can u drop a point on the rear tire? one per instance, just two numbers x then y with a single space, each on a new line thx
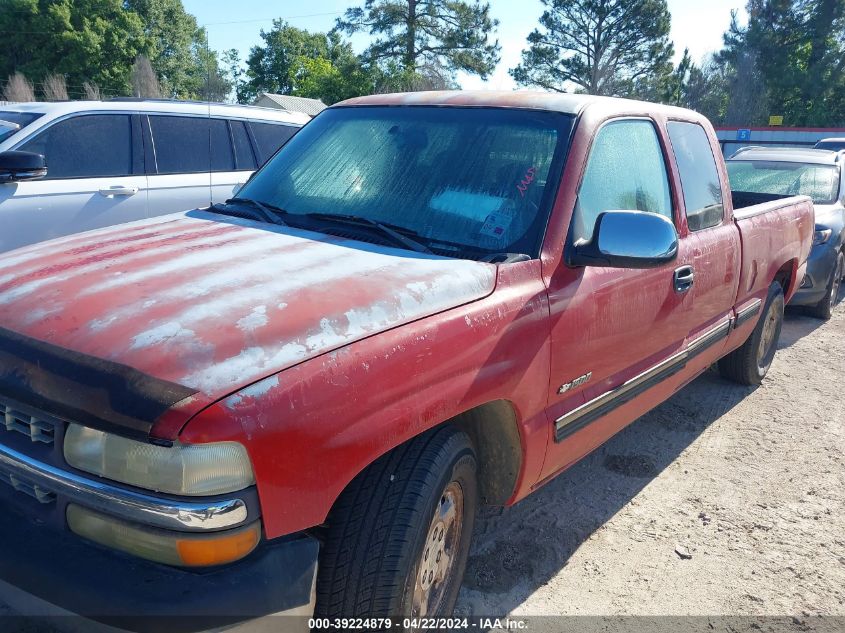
400 532
749 363
824 308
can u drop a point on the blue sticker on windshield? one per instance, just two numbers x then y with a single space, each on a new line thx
495 225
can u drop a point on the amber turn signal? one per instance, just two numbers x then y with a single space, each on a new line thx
179 549
220 549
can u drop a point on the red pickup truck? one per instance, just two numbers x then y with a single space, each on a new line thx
296 402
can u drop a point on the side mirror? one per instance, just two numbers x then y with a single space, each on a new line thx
18 166
627 239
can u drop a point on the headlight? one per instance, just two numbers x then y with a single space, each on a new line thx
181 469
821 236
169 548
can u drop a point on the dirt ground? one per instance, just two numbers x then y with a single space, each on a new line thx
725 500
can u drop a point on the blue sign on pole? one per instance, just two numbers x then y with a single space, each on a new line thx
743 135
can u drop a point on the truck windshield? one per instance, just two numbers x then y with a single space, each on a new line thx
11 122
820 182
465 182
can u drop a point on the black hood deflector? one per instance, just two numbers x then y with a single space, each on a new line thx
80 388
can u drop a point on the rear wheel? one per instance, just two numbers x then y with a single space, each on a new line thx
398 537
749 363
824 308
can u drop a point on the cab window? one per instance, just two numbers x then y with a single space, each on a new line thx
625 172
699 175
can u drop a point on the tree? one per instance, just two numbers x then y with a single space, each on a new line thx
799 48
178 51
83 40
144 81
231 60
448 34
601 46
298 62
18 89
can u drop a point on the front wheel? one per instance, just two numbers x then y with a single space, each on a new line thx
750 363
398 537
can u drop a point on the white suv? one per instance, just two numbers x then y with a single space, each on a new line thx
109 162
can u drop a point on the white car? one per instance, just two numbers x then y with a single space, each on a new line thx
109 162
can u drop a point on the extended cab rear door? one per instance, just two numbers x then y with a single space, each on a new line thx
710 233
611 326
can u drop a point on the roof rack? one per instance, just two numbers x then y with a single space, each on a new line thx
165 100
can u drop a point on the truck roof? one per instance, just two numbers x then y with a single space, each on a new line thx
533 99
789 155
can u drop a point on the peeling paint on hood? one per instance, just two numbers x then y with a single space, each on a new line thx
216 303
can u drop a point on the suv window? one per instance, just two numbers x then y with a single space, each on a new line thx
270 136
89 146
699 175
185 145
244 158
625 171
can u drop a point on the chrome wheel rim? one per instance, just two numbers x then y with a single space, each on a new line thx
767 338
440 551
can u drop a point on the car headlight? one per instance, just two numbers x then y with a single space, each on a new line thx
821 236
182 469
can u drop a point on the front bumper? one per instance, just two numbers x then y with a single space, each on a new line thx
45 572
820 266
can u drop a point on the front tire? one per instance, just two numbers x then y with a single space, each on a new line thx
824 308
398 537
750 363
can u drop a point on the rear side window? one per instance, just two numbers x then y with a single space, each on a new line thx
625 171
243 150
91 146
270 136
699 175
185 145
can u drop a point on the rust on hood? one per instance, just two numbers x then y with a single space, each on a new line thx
215 303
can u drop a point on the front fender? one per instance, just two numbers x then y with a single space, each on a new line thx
311 429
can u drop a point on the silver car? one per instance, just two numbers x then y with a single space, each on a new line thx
79 165
817 173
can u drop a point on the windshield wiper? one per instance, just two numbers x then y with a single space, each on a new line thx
384 229
262 210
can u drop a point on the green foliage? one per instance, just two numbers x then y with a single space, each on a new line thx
800 53
449 34
178 50
604 47
298 62
92 41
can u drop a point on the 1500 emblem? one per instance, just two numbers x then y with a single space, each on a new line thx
574 383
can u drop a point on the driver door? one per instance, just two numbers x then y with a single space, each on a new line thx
611 325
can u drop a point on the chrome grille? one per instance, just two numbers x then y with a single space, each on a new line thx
36 429
33 490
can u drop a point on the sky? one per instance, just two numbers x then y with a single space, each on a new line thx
696 24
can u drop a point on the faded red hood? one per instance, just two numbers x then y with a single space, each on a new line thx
215 303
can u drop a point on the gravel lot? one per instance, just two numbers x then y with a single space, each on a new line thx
725 500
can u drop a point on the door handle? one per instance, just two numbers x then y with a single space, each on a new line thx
118 191
683 278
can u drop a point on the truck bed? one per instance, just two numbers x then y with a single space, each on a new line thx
772 229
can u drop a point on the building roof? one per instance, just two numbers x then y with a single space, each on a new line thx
311 107
789 155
